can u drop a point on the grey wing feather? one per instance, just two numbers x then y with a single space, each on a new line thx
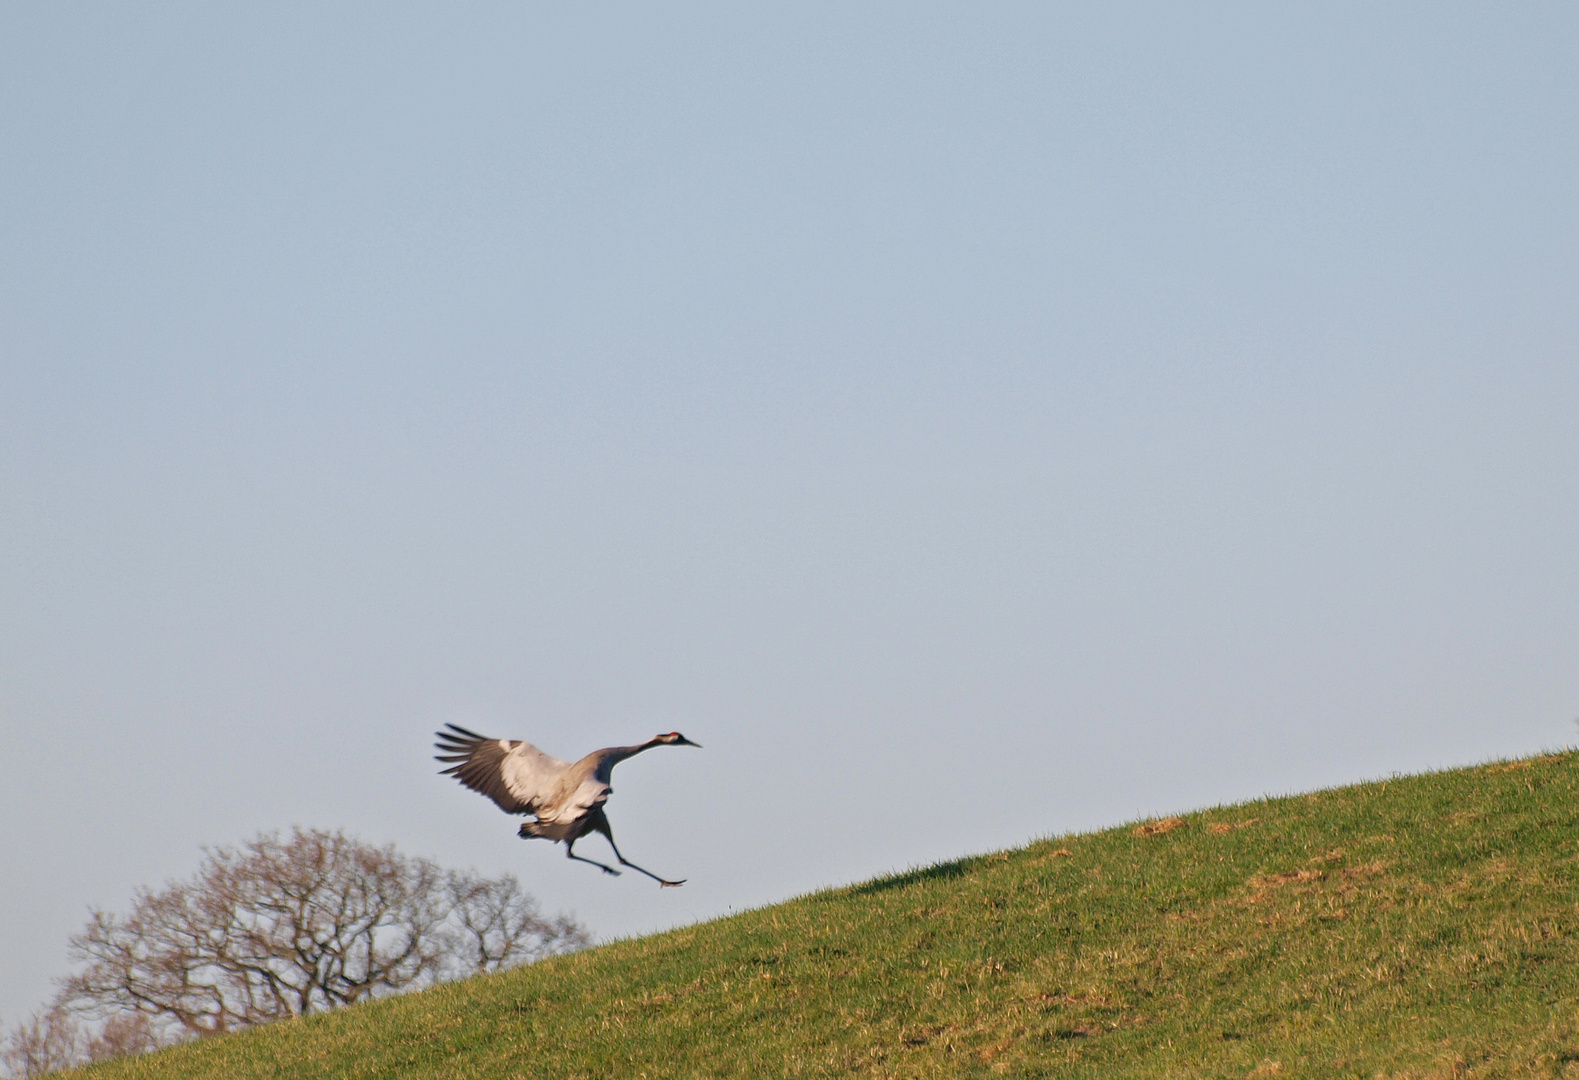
515 775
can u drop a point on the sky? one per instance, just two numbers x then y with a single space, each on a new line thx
971 424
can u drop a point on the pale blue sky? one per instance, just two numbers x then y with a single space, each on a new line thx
969 423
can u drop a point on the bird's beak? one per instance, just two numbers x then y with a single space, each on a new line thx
687 742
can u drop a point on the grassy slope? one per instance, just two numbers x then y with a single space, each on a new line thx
1427 926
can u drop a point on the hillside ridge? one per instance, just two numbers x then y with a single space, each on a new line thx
1414 926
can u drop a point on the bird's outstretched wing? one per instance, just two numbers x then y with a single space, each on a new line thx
516 775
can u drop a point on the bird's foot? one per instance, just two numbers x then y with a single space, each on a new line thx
671 884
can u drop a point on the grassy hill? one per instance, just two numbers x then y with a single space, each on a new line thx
1425 926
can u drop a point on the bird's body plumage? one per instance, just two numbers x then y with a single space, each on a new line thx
565 799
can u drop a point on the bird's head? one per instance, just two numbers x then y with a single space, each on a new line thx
674 738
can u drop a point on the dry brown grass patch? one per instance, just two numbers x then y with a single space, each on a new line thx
1515 766
1365 870
1091 1000
1264 885
1221 827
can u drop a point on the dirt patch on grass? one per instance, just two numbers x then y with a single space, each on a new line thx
1222 827
1158 828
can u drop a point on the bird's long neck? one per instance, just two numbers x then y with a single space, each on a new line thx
602 762
620 753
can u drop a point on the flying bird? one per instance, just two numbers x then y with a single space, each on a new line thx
565 800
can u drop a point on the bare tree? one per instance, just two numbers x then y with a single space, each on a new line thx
46 1042
56 1039
494 925
293 926
122 1036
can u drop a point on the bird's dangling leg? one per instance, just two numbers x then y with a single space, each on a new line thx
570 853
601 824
661 881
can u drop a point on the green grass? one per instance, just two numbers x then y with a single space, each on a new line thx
1427 926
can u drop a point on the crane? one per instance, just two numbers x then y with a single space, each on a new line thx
565 800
